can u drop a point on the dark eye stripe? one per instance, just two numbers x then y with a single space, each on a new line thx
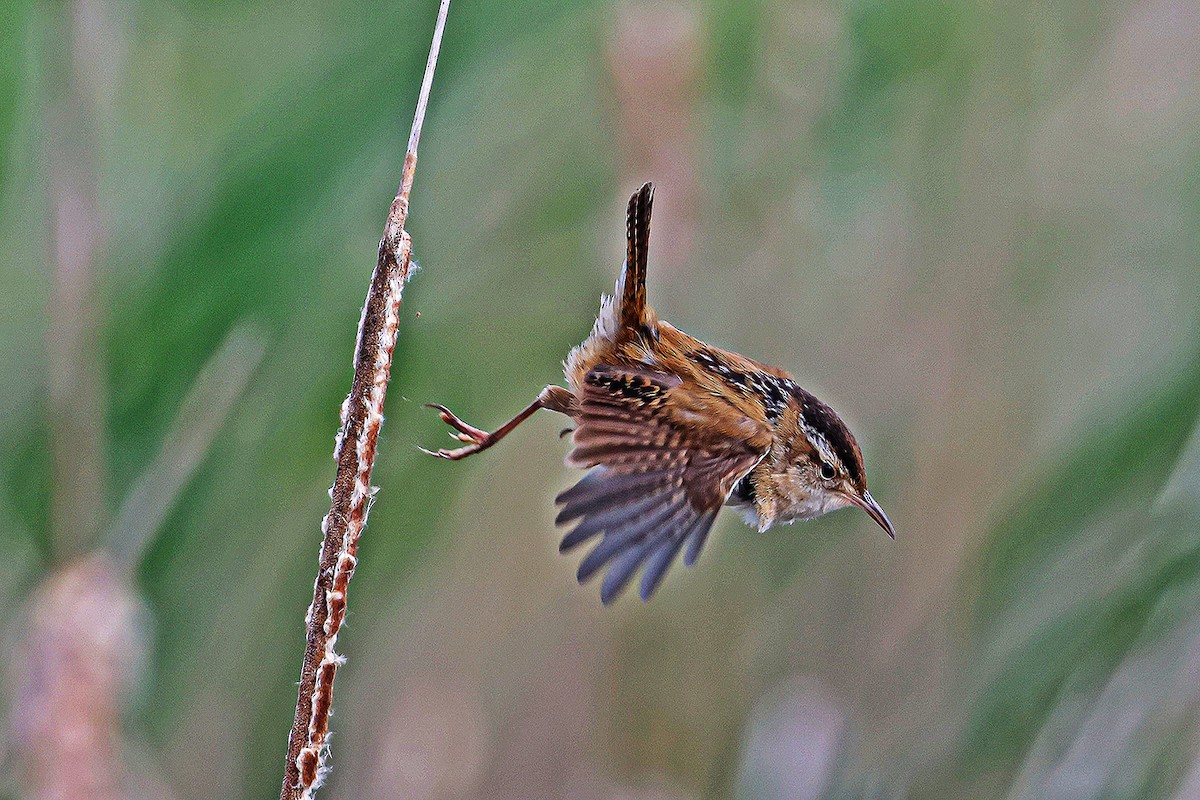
822 419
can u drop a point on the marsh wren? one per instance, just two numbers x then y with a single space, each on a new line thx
672 429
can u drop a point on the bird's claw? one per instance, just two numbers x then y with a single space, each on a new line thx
474 438
469 432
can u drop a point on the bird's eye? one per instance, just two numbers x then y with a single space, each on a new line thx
827 471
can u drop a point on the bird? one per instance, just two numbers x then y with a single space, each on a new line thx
671 430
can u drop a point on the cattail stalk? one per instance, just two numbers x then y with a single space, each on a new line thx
361 418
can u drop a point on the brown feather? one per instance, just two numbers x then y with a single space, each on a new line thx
632 312
657 479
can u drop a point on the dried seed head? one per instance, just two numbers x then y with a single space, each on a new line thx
81 651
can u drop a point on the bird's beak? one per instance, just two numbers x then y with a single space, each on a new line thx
868 504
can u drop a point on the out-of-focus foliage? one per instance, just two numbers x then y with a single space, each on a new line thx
973 228
1077 569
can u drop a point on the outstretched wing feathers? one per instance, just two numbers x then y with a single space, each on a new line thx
657 481
620 510
600 489
661 559
696 543
623 537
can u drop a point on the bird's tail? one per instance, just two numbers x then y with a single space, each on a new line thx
632 317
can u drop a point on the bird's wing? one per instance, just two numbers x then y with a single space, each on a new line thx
659 473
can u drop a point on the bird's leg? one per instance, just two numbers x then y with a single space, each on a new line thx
554 398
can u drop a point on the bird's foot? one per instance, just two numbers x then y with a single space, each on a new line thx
474 438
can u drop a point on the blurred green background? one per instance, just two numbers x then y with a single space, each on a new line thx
974 229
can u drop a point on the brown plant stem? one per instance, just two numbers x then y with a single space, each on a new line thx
361 418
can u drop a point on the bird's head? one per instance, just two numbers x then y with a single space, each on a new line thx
816 465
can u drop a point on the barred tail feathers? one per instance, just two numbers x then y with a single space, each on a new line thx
632 310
